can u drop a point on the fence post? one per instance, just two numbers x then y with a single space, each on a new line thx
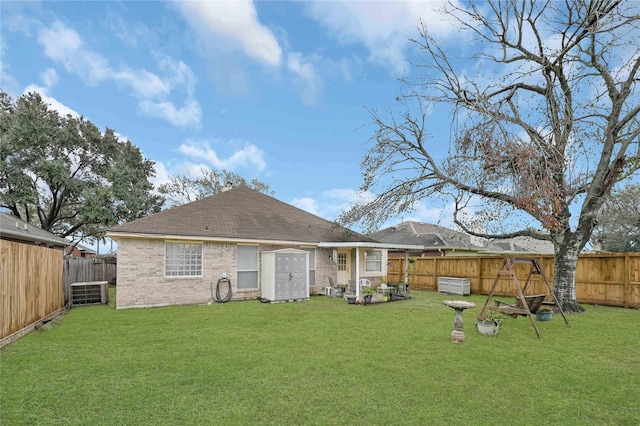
626 292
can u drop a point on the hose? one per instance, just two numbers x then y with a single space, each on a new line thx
217 296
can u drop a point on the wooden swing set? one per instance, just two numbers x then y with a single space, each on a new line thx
525 305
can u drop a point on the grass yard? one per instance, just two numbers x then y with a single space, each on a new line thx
321 362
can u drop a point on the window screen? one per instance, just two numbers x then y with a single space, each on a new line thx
247 267
373 261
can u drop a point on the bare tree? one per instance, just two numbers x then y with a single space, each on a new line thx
182 189
541 131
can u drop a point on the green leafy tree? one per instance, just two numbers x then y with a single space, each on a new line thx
544 112
182 189
618 226
66 176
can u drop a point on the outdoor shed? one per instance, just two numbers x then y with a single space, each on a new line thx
285 275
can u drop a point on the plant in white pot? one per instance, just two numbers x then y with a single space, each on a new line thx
487 324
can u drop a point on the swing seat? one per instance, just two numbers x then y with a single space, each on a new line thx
533 303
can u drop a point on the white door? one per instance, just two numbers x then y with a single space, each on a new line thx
344 266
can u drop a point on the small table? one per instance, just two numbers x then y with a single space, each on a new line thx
457 335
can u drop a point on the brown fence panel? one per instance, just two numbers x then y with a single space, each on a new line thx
31 286
82 269
607 279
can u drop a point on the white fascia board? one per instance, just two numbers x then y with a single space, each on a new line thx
117 235
372 245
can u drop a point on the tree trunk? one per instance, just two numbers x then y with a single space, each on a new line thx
564 279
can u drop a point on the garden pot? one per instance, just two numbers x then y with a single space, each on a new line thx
339 292
488 327
351 300
544 315
366 299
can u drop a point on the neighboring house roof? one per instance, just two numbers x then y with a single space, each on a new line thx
524 245
239 214
431 237
82 249
14 228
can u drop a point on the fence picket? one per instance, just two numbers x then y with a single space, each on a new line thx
603 278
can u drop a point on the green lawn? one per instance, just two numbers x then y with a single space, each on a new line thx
321 362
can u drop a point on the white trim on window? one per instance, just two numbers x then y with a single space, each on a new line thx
248 267
373 261
312 265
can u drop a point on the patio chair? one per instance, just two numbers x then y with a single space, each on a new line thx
331 290
365 282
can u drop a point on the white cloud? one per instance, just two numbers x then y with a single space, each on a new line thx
306 77
382 27
248 156
9 83
162 175
53 103
235 25
189 115
144 83
131 33
64 46
307 204
49 77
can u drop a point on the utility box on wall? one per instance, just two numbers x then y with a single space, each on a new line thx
285 275
450 285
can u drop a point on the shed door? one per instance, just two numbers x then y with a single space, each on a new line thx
291 276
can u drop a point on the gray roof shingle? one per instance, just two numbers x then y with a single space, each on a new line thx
27 232
244 214
426 234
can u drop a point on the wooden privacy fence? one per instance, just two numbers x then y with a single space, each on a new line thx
606 279
82 269
31 287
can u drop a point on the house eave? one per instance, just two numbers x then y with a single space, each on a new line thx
34 239
366 244
133 235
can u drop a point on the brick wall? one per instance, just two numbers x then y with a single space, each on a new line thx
141 280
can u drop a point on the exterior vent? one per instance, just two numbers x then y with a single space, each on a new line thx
450 285
90 293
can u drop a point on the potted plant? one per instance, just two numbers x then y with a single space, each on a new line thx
544 314
352 299
487 324
367 294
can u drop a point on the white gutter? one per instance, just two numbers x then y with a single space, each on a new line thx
367 244
117 235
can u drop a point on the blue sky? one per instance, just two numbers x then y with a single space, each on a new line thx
271 90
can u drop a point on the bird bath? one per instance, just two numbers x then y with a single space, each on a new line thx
457 335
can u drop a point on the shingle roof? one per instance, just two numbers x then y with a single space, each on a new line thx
426 234
27 232
240 213
525 245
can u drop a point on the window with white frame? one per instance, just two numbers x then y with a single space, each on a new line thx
182 259
312 266
247 267
342 261
373 261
